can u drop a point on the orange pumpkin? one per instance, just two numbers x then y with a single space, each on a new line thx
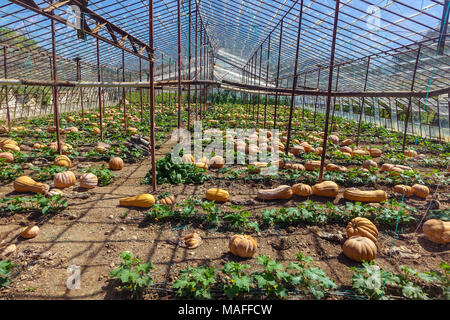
64 179
359 249
115 163
243 246
362 227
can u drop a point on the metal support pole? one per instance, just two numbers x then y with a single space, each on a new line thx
196 77
267 80
5 66
294 80
189 68
408 111
54 87
330 84
315 103
125 120
278 75
99 78
259 83
334 99
179 67
363 100
152 95
140 90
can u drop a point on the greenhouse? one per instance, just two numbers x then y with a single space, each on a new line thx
206 149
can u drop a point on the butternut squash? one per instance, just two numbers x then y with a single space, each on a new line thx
354 194
282 192
326 189
437 230
302 190
27 184
144 200
217 194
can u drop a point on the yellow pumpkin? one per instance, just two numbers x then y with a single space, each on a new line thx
167 200
410 153
216 162
243 246
202 165
95 131
362 227
360 249
217 194
144 200
326 189
420 191
27 184
437 230
10 147
63 161
282 192
354 194
302 190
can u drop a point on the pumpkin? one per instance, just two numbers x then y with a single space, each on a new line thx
167 200
402 189
332 167
374 152
70 119
64 179
362 227
192 240
144 200
217 194
258 166
88 180
10 147
301 189
312 165
8 156
38 146
27 184
294 166
387 167
63 161
367 164
346 142
420 191
437 230
410 153
216 162
396 171
297 150
115 163
29 232
95 131
242 245
202 165
360 152
100 149
282 192
333 138
132 130
346 149
359 249
187 158
354 194
326 189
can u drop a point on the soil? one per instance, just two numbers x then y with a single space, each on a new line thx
93 231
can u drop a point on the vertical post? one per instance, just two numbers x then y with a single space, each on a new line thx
170 99
408 111
267 80
5 66
304 87
152 93
294 80
54 87
179 67
363 100
196 76
200 72
125 120
99 91
189 68
334 99
330 83
259 83
317 97
140 90
438 118
278 75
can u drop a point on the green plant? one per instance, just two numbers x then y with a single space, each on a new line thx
46 173
195 282
212 212
5 270
236 281
174 173
159 212
104 175
38 202
440 278
240 219
133 275
9 172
